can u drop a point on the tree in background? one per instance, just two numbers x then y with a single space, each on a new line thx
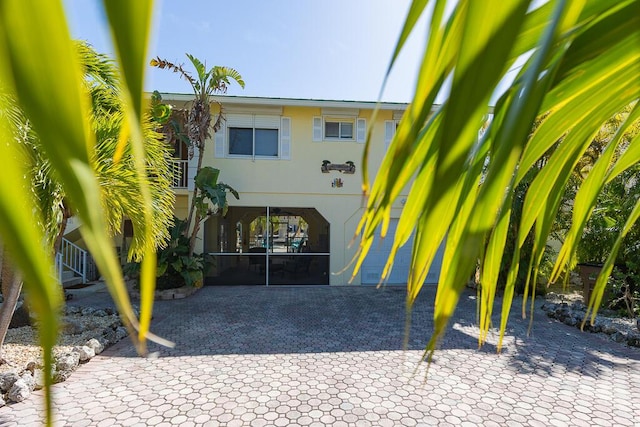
197 122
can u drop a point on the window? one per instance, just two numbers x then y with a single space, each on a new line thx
253 142
254 136
338 129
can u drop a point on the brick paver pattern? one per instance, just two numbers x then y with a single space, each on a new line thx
315 356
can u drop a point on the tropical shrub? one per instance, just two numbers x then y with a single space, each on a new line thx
175 267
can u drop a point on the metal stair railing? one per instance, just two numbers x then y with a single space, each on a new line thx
180 173
76 259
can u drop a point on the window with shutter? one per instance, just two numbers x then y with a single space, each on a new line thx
253 136
339 128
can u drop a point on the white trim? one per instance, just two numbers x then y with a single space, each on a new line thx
229 101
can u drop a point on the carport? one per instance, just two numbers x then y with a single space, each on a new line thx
267 245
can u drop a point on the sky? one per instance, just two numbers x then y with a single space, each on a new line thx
320 49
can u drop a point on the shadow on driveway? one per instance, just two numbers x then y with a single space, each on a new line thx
283 320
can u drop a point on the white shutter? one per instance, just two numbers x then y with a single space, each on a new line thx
361 130
240 120
266 122
285 138
219 138
317 129
389 131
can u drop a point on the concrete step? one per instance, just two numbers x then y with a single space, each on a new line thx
71 281
68 274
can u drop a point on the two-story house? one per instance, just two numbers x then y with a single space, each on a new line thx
297 166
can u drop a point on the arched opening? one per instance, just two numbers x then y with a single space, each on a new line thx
267 246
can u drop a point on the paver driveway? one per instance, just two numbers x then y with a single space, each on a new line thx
281 356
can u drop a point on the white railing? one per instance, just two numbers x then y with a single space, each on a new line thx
180 175
72 257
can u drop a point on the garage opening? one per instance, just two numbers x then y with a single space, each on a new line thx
267 246
374 263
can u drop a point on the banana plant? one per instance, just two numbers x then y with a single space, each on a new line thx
212 191
205 83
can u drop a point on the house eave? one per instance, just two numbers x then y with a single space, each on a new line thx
289 102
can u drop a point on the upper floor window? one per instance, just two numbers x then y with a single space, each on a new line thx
340 128
254 136
253 142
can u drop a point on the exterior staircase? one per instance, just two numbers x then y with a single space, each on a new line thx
74 265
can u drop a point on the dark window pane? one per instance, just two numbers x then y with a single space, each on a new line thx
267 142
346 130
241 141
331 129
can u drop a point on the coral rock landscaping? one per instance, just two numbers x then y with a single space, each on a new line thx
84 332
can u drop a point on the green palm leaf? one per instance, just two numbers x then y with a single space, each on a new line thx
42 69
579 67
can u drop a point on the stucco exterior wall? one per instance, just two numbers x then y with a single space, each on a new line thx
299 181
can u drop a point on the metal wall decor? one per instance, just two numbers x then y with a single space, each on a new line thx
348 167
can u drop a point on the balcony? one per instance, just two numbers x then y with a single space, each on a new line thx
180 173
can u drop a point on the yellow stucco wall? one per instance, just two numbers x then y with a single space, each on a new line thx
181 207
299 182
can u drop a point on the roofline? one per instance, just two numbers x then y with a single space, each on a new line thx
290 102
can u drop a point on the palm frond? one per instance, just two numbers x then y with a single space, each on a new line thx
580 62
164 64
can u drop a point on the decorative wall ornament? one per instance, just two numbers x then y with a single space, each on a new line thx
348 167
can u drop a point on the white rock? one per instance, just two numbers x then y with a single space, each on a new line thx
7 380
28 379
96 345
38 379
84 353
67 362
19 391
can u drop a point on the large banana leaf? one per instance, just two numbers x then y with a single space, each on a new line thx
581 61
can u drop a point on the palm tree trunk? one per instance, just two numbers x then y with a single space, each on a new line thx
192 210
11 287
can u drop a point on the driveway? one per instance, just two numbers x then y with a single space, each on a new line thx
257 356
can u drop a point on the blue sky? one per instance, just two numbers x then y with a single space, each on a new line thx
328 49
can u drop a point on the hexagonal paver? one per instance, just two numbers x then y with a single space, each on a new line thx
256 356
